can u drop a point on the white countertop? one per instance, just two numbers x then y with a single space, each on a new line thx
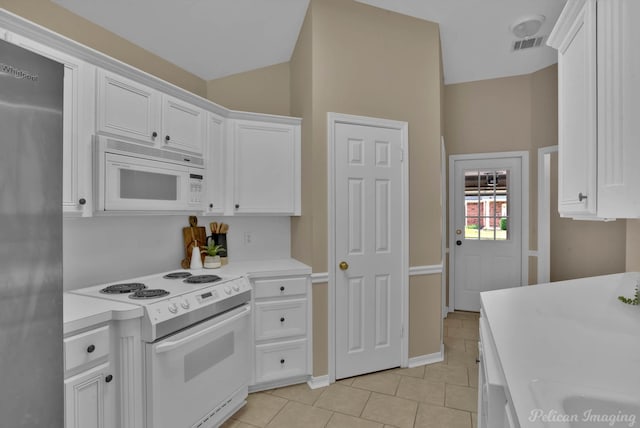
81 312
264 268
570 335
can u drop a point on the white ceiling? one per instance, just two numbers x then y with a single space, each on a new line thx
217 38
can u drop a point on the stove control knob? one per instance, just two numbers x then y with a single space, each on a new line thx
173 308
227 289
236 287
185 304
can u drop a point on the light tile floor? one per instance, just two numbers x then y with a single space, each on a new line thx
441 395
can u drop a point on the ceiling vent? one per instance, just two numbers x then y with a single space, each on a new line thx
533 42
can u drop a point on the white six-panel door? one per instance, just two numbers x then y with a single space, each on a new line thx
369 240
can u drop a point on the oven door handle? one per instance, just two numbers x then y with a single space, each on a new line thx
168 346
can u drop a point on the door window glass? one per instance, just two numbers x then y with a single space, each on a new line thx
486 213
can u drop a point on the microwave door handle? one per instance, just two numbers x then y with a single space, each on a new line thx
168 346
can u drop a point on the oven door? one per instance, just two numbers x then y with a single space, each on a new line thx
199 377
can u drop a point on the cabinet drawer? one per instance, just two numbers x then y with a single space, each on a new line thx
280 287
281 319
86 347
281 360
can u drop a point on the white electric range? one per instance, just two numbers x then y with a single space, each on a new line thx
196 334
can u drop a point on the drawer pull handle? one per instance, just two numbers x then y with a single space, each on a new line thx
282 319
282 288
108 378
91 348
282 361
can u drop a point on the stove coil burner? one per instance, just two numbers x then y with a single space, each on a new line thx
123 288
202 279
148 294
177 275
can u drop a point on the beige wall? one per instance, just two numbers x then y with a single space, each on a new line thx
583 248
301 74
632 263
370 62
520 113
265 90
60 20
344 60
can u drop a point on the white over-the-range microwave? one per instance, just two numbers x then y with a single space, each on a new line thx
132 177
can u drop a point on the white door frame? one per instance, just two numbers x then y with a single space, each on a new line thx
403 127
524 165
443 244
544 213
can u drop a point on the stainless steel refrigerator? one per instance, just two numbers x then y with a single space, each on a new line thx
31 372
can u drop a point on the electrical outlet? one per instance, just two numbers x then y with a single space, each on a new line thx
248 238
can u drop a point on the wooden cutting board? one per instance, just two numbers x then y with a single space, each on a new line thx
189 236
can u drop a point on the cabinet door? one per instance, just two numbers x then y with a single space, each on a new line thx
266 161
89 399
618 109
578 117
77 127
183 125
281 360
127 108
216 171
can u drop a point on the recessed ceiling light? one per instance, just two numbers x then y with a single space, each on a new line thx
528 26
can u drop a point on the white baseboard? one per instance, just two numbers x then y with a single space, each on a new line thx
318 382
422 360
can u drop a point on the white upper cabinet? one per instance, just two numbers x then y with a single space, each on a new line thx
183 125
135 111
127 108
618 109
216 168
78 114
577 116
252 161
266 160
599 103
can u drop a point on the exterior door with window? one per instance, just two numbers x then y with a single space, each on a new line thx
486 238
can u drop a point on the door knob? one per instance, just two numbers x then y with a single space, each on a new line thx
344 265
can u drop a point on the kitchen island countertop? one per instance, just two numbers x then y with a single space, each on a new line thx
565 337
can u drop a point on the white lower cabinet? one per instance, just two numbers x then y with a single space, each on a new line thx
494 408
89 398
89 385
282 333
282 360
